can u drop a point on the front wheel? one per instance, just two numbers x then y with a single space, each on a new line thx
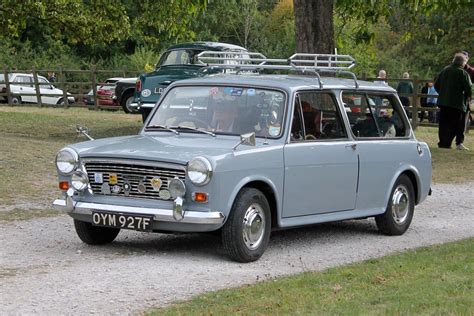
95 235
399 212
16 99
246 233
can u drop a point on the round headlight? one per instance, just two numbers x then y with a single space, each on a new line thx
66 161
199 171
176 188
79 180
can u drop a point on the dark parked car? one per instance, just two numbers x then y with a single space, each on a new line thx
124 94
178 62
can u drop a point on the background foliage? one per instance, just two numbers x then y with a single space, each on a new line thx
397 35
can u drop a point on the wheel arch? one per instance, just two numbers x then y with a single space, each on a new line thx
414 177
269 190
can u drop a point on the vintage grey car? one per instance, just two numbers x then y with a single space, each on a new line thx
245 154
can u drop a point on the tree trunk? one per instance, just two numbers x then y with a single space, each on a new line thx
314 26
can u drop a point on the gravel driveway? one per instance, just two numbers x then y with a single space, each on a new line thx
45 269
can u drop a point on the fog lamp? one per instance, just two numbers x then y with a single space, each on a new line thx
79 180
176 188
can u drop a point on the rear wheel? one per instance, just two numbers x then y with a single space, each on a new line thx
95 235
399 212
127 99
246 233
16 99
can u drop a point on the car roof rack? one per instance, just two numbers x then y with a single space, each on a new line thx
301 62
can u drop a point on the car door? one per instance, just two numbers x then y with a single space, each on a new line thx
49 94
381 130
24 88
321 162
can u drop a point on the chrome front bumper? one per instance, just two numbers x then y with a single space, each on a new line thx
163 215
141 105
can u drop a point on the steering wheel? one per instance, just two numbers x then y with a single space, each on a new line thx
198 123
310 137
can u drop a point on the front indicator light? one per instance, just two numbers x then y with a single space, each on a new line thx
200 197
64 185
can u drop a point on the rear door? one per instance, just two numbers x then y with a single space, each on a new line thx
321 162
24 88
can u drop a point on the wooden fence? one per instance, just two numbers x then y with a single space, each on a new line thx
79 82
75 83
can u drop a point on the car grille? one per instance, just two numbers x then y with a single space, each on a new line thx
132 180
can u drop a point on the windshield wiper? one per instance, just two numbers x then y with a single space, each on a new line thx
194 129
162 127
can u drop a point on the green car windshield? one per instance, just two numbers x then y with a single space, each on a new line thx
221 110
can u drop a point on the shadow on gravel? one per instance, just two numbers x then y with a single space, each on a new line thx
207 245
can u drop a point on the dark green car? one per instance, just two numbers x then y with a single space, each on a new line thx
178 62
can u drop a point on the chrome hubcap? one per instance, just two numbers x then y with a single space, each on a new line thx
253 226
400 204
128 102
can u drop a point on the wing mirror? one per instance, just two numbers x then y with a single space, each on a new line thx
246 139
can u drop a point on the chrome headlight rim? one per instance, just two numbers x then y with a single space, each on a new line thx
75 161
79 180
206 170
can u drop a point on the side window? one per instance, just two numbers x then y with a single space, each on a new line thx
374 115
43 83
320 117
25 80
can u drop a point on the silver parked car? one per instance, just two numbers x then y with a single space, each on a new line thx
248 153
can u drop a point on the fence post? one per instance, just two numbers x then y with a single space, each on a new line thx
37 87
415 102
63 86
94 86
7 84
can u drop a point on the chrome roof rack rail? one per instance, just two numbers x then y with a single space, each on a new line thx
256 62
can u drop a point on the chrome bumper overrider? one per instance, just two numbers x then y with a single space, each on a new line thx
164 215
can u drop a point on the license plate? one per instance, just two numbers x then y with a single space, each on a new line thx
124 221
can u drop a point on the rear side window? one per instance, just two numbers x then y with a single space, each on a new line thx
374 115
25 80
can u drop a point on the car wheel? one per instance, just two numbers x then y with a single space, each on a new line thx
60 102
95 235
401 205
127 99
246 233
16 99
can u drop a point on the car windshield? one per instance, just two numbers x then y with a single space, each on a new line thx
221 110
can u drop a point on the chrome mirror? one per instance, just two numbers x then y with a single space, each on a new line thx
246 139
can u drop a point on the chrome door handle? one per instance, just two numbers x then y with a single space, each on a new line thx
352 146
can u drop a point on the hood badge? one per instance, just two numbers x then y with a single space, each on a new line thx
105 188
156 183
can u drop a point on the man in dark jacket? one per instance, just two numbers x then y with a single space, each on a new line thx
454 87
460 134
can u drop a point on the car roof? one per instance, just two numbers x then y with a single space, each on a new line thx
207 46
287 82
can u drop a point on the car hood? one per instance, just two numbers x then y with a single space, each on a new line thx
169 148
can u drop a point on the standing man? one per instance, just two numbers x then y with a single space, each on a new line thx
460 134
454 87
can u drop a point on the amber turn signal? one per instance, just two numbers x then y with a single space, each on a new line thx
64 185
200 197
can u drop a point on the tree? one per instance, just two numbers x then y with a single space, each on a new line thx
314 26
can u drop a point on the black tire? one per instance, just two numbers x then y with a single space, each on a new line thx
127 98
16 99
95 235
250 205
400 207
145 112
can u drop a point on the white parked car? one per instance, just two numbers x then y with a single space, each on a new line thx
23 90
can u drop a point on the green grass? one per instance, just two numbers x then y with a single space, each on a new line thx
449 165
29 140
437 280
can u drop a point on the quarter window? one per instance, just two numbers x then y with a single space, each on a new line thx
374 115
